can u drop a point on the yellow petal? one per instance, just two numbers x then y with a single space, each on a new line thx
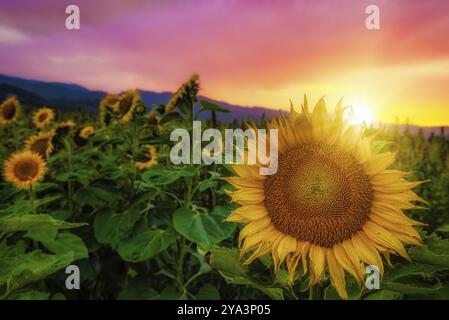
380 235
285 246
245 182
379 162
336 274
247 196
367 252
249 213
344 261
317 263
255 226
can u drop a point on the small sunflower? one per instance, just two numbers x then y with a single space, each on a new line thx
41 144
63 128
126 106
43 117
24 169
332 206
87 132
188 89
154 118
9 110
151 158
106 107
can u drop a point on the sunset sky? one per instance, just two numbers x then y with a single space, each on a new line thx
246 52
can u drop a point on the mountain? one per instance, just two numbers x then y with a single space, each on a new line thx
72 96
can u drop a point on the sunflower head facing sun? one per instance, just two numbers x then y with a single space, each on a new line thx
9 110
43 117
332 207
41 144
150 158
24 169
126 105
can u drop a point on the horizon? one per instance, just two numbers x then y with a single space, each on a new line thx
378 123
246 54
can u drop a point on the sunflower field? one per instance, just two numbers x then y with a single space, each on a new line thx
98 191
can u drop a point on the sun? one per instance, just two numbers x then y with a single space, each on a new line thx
361 113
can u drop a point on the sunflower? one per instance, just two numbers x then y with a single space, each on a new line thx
151 160
333 206
187 90
106 107
63 128
9 110
125 107
24 169
87 132
41 144
43 117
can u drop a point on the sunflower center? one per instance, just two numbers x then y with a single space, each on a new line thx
319 194
42 117
125 105
9 111
40 146
26 170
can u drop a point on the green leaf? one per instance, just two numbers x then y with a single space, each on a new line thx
21 207
384 295
34 221
434 251
378 146
227 262
205 229
94 196
29 295
413 269
207 184
159 176
75 174
22 269
111 227
138 289
208 292
147 244
412 287
206 105
44 234
443 228
66 242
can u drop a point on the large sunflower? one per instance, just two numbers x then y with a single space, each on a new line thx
151 158
333 204
43 117
41 144
125 107
9 110
24 169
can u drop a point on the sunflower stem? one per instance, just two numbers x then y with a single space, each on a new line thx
32 192
315 293
68 147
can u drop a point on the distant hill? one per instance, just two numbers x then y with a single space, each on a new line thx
73 96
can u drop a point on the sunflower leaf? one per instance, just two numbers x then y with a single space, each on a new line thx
206 229
29 222
146 244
